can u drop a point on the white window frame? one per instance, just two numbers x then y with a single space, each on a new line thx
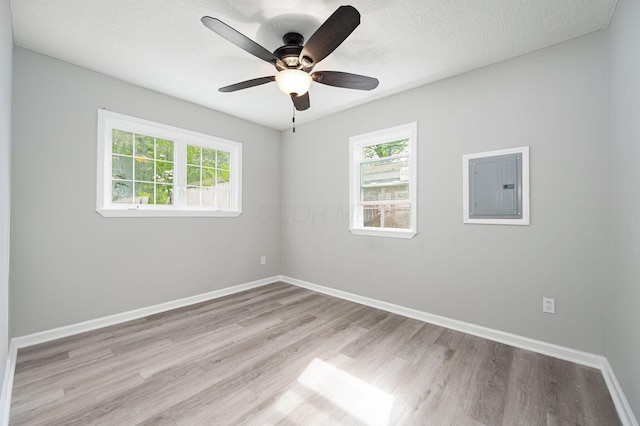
356 143
108 120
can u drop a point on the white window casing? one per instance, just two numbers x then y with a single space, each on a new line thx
383 187
218 198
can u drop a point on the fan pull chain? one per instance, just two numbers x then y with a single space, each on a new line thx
293 119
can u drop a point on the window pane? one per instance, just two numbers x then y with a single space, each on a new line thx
121 192
387 216
144 170
164 172
164 194
397 216
386 149
371 216
164 149
193 155
223 160
208 177
223 176
121 167
384 171
193 175
144 146
208 157
209 196
193 196
121 142
223 198
144 193
388 193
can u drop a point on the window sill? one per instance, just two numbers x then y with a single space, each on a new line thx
166 213
388 232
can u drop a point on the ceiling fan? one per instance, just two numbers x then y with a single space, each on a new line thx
295 61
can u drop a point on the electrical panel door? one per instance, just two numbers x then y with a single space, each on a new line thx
495 187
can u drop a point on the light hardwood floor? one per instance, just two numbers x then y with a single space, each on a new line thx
284 355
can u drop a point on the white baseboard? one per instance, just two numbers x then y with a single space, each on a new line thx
69 330
622 404
7 384
583 358
81 327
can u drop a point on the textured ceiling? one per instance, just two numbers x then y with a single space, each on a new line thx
161 44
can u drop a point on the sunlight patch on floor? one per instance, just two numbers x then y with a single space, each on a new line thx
356 397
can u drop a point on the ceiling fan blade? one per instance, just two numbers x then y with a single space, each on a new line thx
246 84
239 39
301 102
345 79
330 35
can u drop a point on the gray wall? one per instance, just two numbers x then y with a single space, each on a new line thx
6 49
553 100
623 295
68 263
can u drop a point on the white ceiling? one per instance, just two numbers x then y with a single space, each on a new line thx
161 44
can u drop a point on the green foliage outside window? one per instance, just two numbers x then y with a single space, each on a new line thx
142 169
386 149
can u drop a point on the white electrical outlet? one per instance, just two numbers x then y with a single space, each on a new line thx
548 305
263 260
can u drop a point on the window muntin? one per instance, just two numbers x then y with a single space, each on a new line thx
383 183
207 177
150 169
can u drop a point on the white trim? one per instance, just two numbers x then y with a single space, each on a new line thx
384 232
409 131
68 330
109 120
7 384
525 220
166 213
583 358
622 404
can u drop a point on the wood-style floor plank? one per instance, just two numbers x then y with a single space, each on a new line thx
284 355
525 390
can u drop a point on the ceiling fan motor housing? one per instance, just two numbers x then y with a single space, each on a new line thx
289 53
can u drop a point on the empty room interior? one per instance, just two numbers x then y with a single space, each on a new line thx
416 212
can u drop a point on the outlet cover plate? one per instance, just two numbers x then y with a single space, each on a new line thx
548 305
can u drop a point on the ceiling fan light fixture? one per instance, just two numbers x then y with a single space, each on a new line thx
293 81
294 61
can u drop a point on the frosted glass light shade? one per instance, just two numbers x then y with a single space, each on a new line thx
293 81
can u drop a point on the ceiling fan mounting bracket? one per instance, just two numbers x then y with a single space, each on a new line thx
295 39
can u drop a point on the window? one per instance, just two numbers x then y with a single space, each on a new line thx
383 182
151 169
